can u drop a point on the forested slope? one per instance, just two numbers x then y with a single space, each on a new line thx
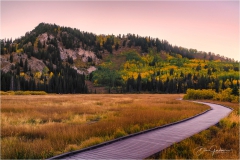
60 59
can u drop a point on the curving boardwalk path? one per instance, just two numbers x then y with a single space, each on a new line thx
146 144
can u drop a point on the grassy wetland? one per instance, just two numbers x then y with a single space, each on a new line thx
34 126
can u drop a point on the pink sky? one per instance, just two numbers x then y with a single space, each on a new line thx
202 25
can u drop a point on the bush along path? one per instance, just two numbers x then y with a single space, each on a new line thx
147 143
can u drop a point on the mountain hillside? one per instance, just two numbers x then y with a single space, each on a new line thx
66 60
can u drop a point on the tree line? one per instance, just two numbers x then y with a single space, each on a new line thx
66 81
180 84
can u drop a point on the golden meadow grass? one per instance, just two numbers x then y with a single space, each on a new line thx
34 126
223 136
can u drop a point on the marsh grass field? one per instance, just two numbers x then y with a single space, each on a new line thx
41 126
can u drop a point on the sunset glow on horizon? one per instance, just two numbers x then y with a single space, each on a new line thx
202 25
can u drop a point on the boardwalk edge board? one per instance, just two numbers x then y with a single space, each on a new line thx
128 136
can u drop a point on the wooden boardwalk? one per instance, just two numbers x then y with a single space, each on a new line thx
146 144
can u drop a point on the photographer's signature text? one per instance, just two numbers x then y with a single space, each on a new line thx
213 149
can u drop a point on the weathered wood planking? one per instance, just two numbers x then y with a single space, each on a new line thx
146 144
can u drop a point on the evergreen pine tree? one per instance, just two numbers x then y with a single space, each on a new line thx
11 58
18 70
21 62
12 84
235 90
116 46
3 84
26 66
139 84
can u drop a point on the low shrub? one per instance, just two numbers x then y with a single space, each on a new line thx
200 94
3 93
225 95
